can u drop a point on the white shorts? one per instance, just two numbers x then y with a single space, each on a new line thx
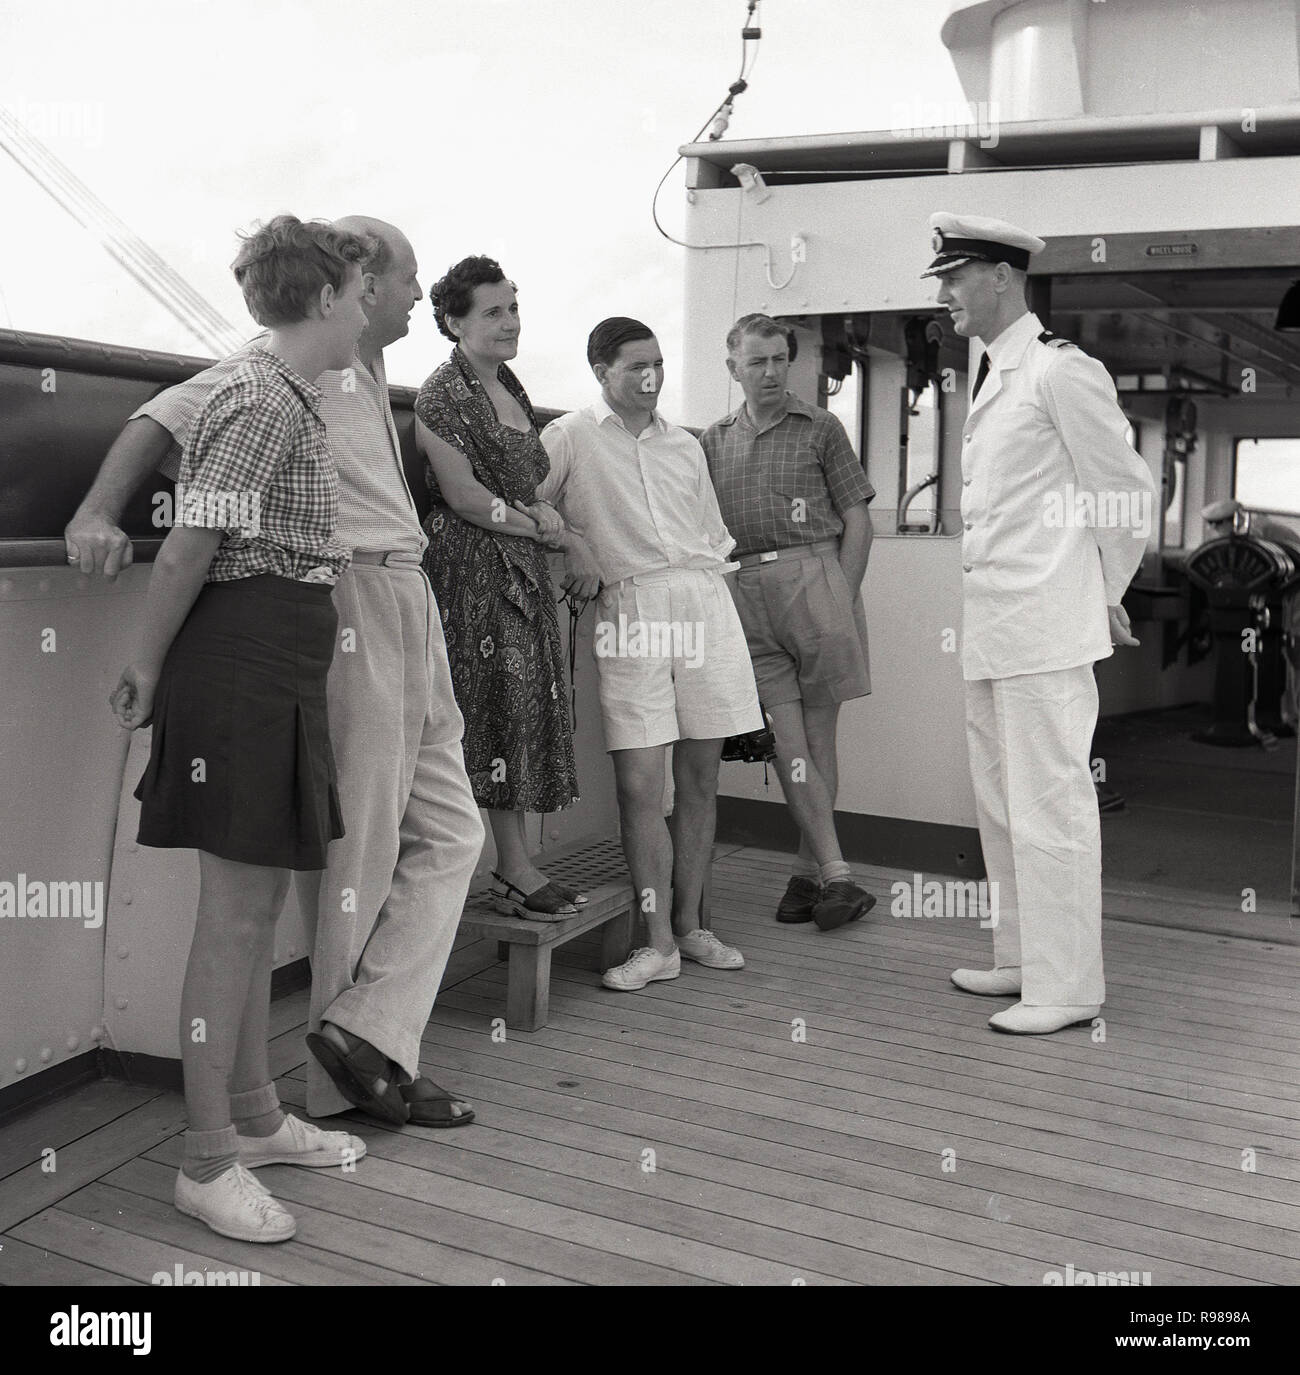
672 660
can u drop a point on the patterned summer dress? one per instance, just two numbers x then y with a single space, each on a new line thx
498 604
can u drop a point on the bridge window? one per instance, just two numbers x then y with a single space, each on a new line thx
1267 475
921 442
843 398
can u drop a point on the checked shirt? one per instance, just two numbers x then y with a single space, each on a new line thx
259 444
786 484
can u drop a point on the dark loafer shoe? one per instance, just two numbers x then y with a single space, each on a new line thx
801 896
430 1106
842 902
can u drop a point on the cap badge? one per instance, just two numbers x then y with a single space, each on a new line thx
936 241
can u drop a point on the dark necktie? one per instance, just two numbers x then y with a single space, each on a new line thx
981 375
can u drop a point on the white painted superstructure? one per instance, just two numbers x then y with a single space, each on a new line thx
1156 147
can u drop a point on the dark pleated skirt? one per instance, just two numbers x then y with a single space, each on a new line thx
241 764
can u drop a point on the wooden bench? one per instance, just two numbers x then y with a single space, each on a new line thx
598 869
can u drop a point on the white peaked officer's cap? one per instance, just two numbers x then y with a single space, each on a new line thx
960 239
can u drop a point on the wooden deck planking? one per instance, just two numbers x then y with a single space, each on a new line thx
621 1206
933 1204
867 973
66 1120
475 1246
473 1038
677 1061
985 1055
406 1175
774 1159
1238 1004
330 1225
860 1139
772 870
24 1264
289 1012
1179 953
29 1190
730 1036
615 1071
922 1237
120 1248
528 1256
142 1192
959 1037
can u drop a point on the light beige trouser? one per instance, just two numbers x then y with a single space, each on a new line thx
1029 740
388 903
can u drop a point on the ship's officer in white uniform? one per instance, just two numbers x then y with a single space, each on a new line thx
1055 508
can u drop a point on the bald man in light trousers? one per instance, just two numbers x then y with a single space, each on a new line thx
382 917
1041 603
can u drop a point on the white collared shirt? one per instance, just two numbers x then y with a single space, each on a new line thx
641 502
1056 505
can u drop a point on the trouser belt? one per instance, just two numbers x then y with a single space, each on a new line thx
387 558
795 551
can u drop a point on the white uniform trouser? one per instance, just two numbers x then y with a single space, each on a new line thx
1030 738
387 905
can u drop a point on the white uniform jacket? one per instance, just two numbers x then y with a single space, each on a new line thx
1056 506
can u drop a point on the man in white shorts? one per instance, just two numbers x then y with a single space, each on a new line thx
645 532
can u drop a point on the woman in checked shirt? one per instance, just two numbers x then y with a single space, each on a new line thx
237 638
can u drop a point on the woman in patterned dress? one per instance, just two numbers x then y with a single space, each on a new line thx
487 563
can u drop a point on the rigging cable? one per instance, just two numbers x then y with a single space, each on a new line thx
716 124
125 246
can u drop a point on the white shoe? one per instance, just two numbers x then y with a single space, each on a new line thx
296 1142
642 967
1022 1020
989 983
235 1205
705 948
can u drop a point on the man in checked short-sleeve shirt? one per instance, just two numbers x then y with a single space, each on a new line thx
794 495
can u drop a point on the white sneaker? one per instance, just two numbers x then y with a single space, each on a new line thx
642 967
296 1142
705 948
235 1205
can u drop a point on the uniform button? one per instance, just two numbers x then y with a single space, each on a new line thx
965 482
966 567
965 439
969 525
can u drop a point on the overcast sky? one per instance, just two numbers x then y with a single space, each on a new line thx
531 130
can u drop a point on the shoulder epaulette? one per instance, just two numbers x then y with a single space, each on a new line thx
1054 341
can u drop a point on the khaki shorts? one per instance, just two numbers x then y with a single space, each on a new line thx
672 661
806 632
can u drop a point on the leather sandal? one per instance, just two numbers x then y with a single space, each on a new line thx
570 894
366 1077
430 1106
546 904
